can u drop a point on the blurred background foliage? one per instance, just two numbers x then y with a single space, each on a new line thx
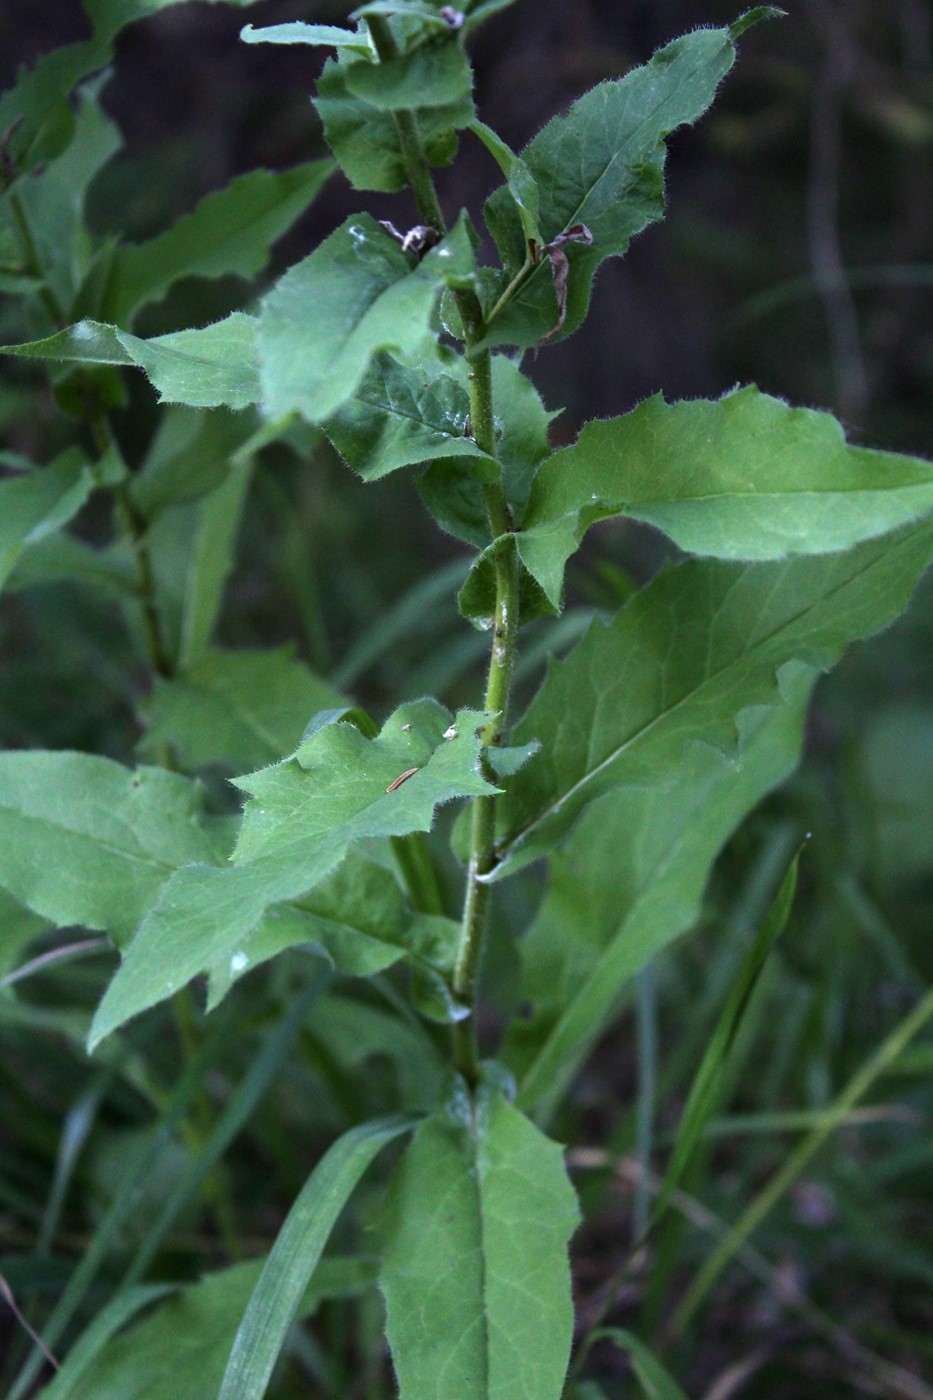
796 254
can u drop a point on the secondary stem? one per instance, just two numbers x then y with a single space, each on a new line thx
506 617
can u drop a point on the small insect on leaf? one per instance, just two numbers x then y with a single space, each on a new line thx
402 778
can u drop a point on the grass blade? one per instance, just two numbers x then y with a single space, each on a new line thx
886 1054
296 1253
706 1088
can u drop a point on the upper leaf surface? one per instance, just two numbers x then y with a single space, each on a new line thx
243 708
679 663
204 367
329 36
744 477
230 231
601 165
358 293
476 1276
614 900
84 840
304 815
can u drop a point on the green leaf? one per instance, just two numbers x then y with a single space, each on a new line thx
433 76
84 840
706 1089
357 918
36 111
358 293
242 708
180 1351
744 477
402 415
476 1276
189 456
680 662
305 814
229 232
210 561
53 199
329 36
365 139
205 367
520 181
615 901
602 166
37 504
291 1265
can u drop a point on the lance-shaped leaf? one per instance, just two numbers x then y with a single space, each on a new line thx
358 293
243 708
53 199
364 138
630 879
358 918
600 166
229 232
476 1276
521 183
304 815
189 457
204 367
744 477
84 840
38 503
680 662
328 36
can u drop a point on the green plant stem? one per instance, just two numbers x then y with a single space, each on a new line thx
887 1052
506 617
135 527
406 124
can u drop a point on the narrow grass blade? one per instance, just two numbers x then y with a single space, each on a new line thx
295 1255
138 1167
706 1088
886 1054
656 1383
237 1113
92 1341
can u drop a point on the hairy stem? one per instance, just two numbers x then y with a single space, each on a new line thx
506 619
